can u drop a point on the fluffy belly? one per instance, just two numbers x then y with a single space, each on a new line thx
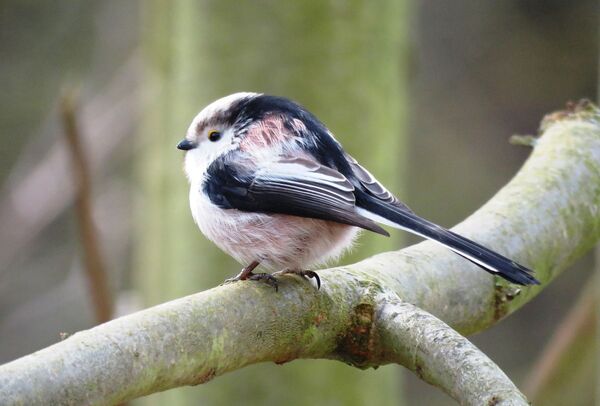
277 241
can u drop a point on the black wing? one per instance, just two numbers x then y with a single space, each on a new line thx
296 186
372 185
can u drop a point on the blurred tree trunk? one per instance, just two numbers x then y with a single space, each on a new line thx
596 339
345 61
596 377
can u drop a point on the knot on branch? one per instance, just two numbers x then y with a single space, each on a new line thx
358 344
503 295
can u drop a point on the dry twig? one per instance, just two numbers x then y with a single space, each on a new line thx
580 320
94 264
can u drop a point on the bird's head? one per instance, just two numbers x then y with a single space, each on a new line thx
214 132
263 126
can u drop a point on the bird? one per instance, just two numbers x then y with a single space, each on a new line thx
270 185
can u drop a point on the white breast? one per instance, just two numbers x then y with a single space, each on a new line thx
277 241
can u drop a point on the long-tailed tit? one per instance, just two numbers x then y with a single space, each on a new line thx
270 185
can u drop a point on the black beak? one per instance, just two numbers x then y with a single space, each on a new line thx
186 145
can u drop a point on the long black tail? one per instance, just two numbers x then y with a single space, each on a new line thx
485 258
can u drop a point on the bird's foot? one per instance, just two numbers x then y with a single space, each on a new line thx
268 278
246 274
302 273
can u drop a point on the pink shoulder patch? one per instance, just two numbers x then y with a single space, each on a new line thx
267 132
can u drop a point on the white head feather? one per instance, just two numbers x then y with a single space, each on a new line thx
198 159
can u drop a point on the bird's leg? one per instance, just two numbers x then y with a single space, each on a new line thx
246 274
302 273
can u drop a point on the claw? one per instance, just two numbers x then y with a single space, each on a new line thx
304 274
313 274
246 274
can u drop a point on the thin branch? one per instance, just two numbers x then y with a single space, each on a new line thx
523 140
581 319
546 217
94 263
439 355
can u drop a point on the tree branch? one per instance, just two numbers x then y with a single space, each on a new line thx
546 217
440 356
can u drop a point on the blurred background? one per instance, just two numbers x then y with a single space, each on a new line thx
424 93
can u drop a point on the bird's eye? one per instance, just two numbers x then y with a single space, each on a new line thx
214 135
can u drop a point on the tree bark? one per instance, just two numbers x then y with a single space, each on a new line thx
546 217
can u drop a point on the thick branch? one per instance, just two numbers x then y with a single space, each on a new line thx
546 217
184 342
